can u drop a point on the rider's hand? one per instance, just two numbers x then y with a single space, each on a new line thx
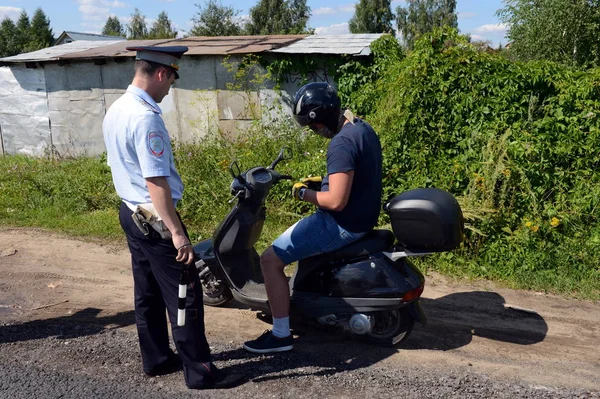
185 251
296 190
312 179
313 183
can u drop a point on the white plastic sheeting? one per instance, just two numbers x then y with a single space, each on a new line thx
24 117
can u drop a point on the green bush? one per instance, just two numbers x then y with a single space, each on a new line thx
517 143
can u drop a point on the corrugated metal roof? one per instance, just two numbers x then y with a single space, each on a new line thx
55 52
356 44
202 45
91 36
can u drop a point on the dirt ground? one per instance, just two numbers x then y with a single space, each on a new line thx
530 337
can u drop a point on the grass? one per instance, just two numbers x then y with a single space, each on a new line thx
76 197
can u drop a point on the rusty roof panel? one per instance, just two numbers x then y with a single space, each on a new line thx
205 45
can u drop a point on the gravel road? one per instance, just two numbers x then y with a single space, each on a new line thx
67 331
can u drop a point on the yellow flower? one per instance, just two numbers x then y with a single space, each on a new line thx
506 172
535 229
224 164
529 224
554 222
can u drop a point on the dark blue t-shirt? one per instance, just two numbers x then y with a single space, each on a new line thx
357 147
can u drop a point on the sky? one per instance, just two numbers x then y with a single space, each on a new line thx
476 17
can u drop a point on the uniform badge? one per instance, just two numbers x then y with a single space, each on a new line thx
156 143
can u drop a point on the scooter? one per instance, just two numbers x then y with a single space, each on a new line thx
369 288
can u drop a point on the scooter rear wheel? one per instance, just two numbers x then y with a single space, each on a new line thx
214 291
390 327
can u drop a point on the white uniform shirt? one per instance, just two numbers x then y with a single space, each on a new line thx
138 146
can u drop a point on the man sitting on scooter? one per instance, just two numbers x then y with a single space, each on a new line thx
348 203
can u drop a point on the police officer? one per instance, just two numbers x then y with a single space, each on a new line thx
141 160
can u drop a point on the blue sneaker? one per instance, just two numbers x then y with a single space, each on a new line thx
268 343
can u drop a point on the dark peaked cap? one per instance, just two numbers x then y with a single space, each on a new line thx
168 56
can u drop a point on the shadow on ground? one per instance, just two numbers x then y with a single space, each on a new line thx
82 323
453 320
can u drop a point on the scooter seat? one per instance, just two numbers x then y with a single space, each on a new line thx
373 242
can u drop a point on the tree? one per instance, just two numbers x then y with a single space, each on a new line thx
215 19
137 28
23 32
421 16
41 33
162 28
278 17
8 36
372 16
113 27
565 31
300 14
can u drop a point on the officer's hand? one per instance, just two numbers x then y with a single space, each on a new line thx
185 251
296 190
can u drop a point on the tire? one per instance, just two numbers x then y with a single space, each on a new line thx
214 291
390 327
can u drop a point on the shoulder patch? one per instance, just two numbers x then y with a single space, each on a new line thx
156 143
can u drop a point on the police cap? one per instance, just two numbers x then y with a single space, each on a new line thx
168 56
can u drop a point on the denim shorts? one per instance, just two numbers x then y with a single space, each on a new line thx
316 234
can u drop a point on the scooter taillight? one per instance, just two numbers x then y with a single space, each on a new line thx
414 294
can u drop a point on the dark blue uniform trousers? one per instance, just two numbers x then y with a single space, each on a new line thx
156 276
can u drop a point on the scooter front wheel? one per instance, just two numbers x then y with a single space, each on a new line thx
214 291
390 327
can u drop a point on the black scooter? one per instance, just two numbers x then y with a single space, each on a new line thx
369 288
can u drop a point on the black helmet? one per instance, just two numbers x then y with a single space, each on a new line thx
317 102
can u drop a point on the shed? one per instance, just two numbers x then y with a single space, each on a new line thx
54 100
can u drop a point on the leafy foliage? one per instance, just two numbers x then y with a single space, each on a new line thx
278 17
215 19
113 27
356 77
422 16
162 28
564 31
41 33
137 28
23 32
8 38
27 35
372 16
518 143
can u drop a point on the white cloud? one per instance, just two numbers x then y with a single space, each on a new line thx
93 10
477 38
491 28
345 9
348 8
494 33
336 29
9 12
324 11
94 13
114 4
466 15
